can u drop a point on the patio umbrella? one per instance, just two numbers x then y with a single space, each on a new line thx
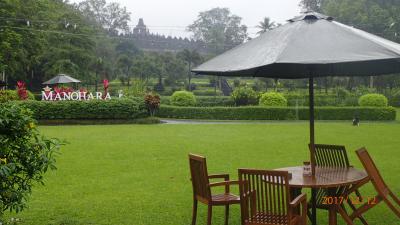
308 46
62 79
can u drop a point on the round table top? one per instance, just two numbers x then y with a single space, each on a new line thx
325 177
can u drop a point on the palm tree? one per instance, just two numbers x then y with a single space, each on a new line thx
265 25
192 58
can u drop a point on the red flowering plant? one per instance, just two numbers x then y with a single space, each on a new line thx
105 85
66 90
152 102
21 89
83 92
62 90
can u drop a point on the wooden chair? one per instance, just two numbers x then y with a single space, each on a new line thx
332 156
384 193
266 200
202 189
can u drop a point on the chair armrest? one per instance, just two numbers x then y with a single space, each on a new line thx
214 176
224 183
299 200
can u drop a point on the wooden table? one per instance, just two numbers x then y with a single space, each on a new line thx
330 178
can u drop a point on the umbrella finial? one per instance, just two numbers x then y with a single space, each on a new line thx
311 15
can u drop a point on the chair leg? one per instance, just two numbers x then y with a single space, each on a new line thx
309 213
209 215
344 215
360 217
194 215
226 214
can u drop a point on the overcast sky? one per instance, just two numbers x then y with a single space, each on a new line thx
171 17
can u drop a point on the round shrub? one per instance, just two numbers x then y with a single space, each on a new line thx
244 96
273 99
373 100
183 98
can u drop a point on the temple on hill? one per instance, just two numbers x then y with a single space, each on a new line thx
148 41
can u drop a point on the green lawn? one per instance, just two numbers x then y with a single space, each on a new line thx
138 174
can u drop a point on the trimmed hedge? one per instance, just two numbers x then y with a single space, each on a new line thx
293 100
209 92
87 110
205 101
322 100
278 113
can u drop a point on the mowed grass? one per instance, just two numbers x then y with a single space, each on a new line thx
139 175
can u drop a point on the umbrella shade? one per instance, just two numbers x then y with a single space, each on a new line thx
62 79
309 45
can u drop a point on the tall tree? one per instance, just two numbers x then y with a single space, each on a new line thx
313 5
266 25
192 58
219 29
112 16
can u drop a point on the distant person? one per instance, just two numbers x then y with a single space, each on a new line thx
356 121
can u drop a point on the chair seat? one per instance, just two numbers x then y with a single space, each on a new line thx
225 198
270 219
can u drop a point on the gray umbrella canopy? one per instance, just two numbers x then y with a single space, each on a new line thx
62 79
311 45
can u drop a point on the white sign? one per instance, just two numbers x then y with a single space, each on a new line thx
49 95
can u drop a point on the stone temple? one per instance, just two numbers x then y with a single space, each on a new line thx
160 43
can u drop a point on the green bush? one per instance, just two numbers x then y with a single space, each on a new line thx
25 156
126 109
183 98
12 95
243 96
276 113
373 100
273 99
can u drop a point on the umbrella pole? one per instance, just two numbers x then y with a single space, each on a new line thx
312 149
312 134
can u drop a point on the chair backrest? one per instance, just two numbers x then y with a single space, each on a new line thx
372 171
264 192
199 174
331 156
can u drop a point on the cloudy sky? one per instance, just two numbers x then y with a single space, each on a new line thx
171 17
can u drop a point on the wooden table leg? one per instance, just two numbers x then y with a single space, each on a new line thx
333 208
332 215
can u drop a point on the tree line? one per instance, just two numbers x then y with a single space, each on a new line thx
41 38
